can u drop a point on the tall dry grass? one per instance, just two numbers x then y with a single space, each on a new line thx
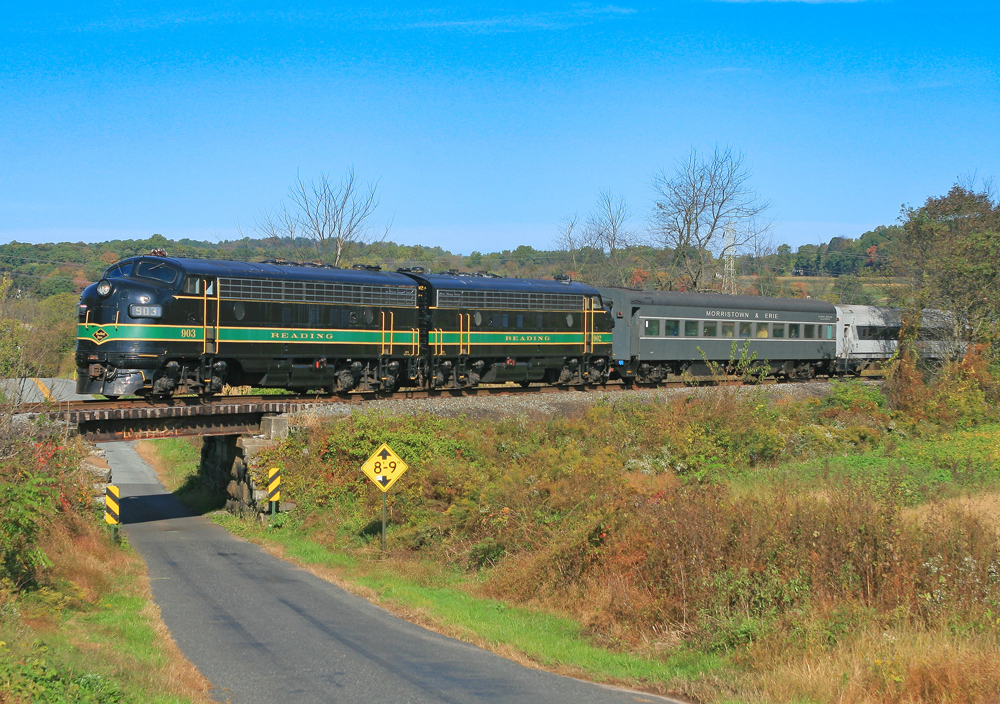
661 526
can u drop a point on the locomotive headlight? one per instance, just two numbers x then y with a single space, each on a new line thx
104 288
143 299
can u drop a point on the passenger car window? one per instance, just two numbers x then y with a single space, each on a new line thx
778 330
651 328
793 331
690 328
710 329
761 329
729 329
810 331
671 328
746 329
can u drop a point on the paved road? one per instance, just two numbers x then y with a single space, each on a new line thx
38 390
262 630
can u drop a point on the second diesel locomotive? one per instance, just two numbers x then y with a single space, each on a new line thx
156 326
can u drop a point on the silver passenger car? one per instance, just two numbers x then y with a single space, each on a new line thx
868 335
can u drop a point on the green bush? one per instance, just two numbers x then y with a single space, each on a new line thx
24 509
32 677
855 396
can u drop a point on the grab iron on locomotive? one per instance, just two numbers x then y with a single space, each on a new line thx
156 326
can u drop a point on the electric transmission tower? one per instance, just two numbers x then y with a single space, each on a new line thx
729 261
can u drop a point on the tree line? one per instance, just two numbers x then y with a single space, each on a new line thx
707 231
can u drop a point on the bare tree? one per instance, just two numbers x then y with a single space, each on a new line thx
607 230
279 224
697 203
571 240
331 214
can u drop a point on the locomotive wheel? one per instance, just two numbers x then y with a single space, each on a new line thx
390 387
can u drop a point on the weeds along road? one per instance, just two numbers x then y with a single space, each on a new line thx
262 630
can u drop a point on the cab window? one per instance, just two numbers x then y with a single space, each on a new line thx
118 271
157 271
192 285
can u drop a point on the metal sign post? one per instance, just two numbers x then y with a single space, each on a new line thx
384 468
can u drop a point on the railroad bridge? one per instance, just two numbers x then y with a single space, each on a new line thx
234 429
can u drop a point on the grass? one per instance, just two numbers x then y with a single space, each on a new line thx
77 620
923 468
93 634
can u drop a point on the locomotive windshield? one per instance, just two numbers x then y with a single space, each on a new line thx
158 271
118 271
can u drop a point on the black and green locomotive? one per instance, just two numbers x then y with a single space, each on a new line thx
157 326
485 329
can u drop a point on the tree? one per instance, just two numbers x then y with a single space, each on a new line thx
332 215
698 204
849 290
607 230
948 257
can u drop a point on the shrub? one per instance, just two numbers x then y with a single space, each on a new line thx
24 509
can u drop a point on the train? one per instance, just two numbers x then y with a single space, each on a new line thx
157 326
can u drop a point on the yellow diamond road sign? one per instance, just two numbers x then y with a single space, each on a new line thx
384 467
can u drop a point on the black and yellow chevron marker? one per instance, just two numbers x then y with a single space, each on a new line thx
111 512
274 484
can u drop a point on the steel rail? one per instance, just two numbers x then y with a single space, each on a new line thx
179 404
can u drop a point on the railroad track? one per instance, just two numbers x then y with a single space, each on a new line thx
177 405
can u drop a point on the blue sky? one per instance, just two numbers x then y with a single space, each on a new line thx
485 124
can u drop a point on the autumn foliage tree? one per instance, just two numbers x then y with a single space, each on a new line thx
949 259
